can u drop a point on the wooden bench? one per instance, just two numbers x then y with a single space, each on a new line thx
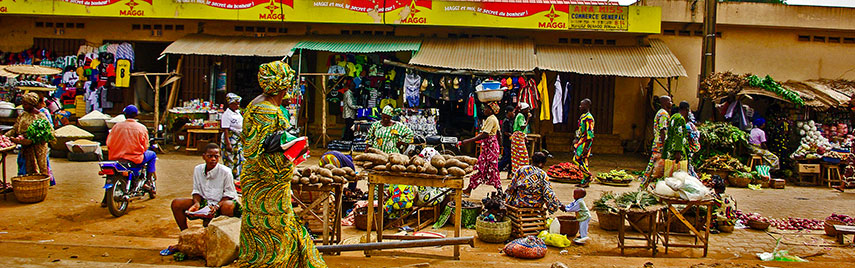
844 230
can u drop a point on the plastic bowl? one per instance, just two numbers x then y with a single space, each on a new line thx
6 112
87 148
490 95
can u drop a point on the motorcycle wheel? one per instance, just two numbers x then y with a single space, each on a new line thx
152 193
115 198
449 150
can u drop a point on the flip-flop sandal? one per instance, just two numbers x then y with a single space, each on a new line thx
169 251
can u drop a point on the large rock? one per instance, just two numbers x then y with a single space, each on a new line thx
222 242
192 241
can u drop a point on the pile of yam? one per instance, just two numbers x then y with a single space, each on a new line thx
324 175
442 165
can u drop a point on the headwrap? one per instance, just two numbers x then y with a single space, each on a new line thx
524 106
388 110
232 98
276 77
494 106
759 121
30 98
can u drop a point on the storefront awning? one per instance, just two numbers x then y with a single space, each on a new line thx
481 54
358 44
655 60
204 44
818 94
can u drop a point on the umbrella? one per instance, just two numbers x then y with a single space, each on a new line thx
32 69
4 73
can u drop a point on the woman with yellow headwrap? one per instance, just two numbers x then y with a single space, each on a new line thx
34 151
488 161
270 235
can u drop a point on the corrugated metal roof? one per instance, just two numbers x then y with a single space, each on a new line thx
359 44
655 60
482 54
204 44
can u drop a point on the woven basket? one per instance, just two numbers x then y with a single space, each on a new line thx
360 220
725 228
758 225
609 221
829 227
738 182
721 173
31 188
493 232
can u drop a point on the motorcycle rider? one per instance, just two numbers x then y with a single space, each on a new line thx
128 140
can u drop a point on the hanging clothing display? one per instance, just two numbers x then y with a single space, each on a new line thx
412 84
567 95
543 91
558 102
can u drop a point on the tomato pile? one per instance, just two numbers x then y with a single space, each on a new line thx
789 223
5 142
566 171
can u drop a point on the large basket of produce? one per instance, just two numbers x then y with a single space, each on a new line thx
722 163
615 178
566 172
493 232
30 188
740 179
836 219
608 221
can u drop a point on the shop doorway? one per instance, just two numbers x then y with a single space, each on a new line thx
600 89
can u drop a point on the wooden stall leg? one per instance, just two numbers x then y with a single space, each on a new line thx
326 221
458 219
370 220
337 220
707 232
621 231
381 200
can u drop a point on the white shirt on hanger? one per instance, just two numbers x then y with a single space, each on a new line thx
558 102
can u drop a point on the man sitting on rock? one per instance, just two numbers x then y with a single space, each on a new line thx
213 192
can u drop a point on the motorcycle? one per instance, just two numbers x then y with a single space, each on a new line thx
442 144
126 181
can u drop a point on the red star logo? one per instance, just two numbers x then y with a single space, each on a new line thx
413 9
551 15
132 4
272 6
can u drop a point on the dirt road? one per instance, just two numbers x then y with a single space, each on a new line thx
70 229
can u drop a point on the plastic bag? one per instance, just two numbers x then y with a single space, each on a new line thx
664 190
555 240
692 188
529 247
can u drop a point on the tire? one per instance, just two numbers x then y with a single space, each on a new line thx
450 150
117 208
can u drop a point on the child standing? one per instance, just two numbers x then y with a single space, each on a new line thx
583 216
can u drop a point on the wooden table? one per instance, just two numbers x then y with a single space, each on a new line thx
535 140
380 180
650 236
192 136
3 155
672 213
330 217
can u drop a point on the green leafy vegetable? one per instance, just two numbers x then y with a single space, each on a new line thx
39 131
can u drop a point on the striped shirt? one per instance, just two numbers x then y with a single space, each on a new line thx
386 138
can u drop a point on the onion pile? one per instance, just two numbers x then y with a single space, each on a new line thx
789 223
841 218
5 142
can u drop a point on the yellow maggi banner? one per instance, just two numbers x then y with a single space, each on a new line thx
636 19
481 14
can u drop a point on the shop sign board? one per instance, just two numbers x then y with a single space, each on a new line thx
481 14
636 19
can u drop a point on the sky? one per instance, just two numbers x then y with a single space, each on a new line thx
830 3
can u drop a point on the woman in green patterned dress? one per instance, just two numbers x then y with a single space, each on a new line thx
270 235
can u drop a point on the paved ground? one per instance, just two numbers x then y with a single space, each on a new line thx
69 229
